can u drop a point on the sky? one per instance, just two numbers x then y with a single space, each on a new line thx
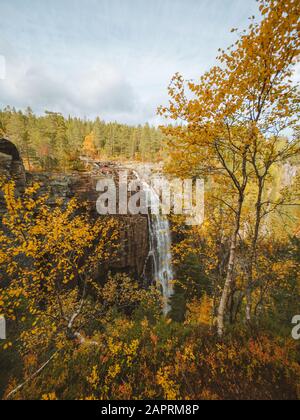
109 58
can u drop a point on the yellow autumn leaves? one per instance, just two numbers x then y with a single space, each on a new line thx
48 257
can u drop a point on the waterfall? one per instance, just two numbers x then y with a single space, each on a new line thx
160 245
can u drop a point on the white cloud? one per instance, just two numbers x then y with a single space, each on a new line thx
100 90
112 58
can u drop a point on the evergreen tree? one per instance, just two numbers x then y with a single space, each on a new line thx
52 142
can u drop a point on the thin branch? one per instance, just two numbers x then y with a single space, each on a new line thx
32 376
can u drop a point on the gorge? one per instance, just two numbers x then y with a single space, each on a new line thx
145 240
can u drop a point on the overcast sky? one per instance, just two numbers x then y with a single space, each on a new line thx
112 58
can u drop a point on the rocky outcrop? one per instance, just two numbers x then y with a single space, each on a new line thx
134 233
5 165
11 164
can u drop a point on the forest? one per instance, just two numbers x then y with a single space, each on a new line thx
80 330
54 143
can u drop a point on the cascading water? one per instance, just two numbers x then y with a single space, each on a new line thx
160 245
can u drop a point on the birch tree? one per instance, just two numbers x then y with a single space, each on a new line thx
234 117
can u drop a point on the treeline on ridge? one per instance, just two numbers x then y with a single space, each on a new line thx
53 142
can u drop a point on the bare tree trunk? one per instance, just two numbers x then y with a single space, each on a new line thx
254 248
249 301
241 187
230 271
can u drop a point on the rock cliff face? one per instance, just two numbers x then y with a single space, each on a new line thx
11 164
134 236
